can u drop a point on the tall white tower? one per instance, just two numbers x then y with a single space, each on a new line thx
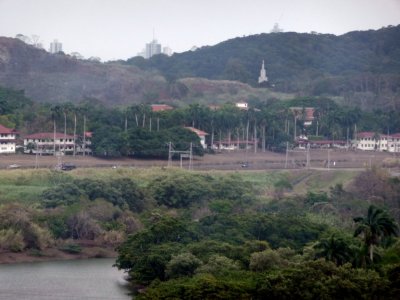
55 47
152 48
263 76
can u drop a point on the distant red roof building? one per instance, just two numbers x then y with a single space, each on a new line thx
48 135
7 140
5 130
160 107
88 134
365 134
201 134
309 113
197 131
214 106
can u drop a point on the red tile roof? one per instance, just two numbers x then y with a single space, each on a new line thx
365 134
4 129
160 107
197 131
309 113
48 135
395 135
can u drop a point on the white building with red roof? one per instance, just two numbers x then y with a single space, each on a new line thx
48 143
7 140
201 134
369 140
160 107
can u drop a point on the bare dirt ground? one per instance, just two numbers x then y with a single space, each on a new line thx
221 161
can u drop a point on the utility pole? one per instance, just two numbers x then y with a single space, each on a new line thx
329 159
255 138
308 156
169 154
84 135
36 157
191 156
287 152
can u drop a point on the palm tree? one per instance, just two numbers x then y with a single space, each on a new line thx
334 249
375 226
55 112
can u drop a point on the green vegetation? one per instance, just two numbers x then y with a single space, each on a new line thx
217 235
359 67
136 131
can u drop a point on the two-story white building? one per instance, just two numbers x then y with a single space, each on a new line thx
393 143
48 142
377 142
7 140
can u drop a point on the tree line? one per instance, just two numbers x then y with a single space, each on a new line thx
137 130
360 66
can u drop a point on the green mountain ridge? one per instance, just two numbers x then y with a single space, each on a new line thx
363 67
360 68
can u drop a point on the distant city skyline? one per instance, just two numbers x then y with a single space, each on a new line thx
119 29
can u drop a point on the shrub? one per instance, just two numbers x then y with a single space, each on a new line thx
218 265
183 264
266 260
11 240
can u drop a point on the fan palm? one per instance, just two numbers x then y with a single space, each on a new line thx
334 249
375 226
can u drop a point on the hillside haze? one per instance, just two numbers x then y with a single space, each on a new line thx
49 77
358 68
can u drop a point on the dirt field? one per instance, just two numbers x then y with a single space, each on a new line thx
222 161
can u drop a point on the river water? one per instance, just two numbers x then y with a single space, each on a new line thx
63 280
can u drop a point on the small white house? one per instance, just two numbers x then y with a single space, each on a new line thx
7 140
242 105
201 134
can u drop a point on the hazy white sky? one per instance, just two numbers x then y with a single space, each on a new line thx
119 29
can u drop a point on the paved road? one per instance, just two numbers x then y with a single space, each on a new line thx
225 161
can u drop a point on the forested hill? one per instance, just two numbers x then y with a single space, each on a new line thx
60 78
358 68
310 64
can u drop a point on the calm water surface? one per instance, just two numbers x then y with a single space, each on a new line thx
63 280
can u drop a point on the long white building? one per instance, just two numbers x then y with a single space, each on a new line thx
47 142
377 142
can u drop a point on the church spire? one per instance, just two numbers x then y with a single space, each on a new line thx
263 76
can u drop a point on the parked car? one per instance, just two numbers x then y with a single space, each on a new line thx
67 166
13 166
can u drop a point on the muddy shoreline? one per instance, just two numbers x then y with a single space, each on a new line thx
52 254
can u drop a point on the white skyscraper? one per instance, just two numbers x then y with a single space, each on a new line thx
55 47
263 76
152 48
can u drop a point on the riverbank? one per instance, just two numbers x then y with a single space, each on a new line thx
52 254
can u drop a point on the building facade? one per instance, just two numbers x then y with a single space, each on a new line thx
49 143
263 74
152 48
55 47
201 134
373 141
7 140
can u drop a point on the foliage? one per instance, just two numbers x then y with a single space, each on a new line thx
120 192
335 249
180 189
183 264
374 227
